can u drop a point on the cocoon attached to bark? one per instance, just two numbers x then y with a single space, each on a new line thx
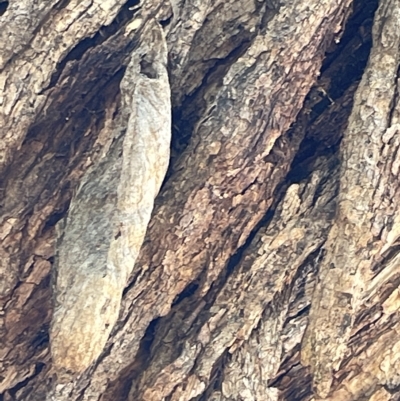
100 238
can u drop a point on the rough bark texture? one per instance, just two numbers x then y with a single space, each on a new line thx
269 269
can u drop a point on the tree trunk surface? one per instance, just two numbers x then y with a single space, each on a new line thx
199 200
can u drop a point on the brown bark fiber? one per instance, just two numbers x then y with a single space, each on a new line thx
269 269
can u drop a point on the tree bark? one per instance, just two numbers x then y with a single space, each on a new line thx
269 268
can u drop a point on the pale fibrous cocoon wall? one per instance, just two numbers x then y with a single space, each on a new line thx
100 239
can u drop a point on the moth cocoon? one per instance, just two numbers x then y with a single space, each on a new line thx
100 239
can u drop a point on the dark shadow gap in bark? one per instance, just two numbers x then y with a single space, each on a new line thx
392 388
235 259
190 290
285 380
132 281
385 259
359 25
119 389
289 363
105 32
338 75
57 216
291 376
3 7
41 340
61 4
306 273
32 328
366 319
216 377
302 312
86 101
192 106
293 371
183 306
345 62
13 391
165 22
312 147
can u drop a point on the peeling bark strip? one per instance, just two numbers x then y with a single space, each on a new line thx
107 220
367 222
